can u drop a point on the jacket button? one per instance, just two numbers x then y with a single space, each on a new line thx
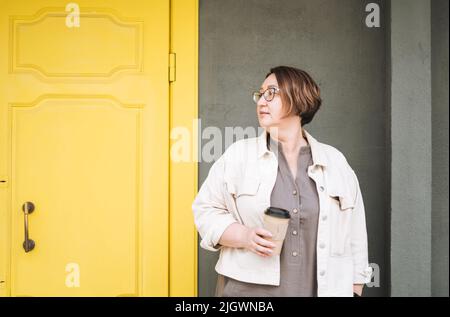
321 188
324 217
322 245
322 273
294 210
294 253
294 232
294 192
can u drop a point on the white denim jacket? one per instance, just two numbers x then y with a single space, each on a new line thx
238 189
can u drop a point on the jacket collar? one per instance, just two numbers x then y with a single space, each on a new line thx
318 156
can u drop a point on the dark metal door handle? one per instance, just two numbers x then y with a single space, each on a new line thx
27 208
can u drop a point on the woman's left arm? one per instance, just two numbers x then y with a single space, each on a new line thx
362 272
358 288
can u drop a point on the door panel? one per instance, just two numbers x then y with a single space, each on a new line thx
77 161
84 137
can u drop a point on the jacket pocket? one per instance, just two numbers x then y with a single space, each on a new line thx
237 187
244 198
341 209
340 277
248 187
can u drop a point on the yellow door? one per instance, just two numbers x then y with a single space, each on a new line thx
84 130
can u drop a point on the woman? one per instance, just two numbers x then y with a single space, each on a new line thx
325 249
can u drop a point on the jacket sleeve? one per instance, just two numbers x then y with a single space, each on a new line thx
210 212
362 272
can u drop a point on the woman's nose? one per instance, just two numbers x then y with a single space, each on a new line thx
261 101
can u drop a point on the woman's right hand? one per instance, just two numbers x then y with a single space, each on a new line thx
255 240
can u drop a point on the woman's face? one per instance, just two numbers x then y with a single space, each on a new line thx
270 113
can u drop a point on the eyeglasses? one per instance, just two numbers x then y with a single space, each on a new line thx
268 94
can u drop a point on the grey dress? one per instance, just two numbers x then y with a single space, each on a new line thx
298 255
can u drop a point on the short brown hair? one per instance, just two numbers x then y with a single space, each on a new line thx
298 91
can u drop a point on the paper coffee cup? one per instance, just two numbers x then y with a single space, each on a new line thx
276 220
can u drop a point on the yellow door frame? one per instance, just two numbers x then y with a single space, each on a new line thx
183 175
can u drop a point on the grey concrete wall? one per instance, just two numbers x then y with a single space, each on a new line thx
411 150
440 106
241 39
